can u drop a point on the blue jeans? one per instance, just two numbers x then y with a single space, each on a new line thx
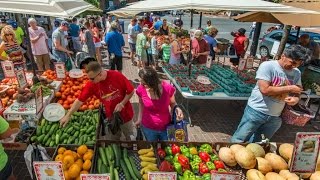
153 135
60 56
255 123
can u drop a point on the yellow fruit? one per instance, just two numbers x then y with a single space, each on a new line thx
66 175
79 162
59 157
90 150
86 165
75 156
49 171
84 172
82 150
88 156
74 171
68 160
61 150
67 152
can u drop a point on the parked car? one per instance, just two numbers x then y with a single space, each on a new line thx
268 40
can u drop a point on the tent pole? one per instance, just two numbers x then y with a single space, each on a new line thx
298 33
200 22
255 40
191 20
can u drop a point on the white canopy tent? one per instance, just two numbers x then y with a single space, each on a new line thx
53 8
211 5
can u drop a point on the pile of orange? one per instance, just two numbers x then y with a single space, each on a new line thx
75 163
50 74
71 89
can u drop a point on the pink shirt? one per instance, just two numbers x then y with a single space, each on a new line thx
39 47
156 114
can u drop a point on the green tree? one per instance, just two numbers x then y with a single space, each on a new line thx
96 3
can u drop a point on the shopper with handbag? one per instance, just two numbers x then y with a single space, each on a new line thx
114 91
278 84
156 98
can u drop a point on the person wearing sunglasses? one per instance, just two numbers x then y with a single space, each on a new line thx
278 84
10 46
114 91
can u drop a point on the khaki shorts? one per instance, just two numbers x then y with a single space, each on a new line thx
43 61
127 129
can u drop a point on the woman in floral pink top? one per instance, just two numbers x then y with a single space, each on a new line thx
155 98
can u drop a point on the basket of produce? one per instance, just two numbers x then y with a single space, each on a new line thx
255 161
81 129
76 159
125 160
190 160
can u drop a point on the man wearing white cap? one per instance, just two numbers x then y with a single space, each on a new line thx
39 45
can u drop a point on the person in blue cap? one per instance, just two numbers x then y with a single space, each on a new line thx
19 33
59 46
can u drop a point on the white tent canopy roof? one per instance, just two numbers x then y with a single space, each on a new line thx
54 8
230 5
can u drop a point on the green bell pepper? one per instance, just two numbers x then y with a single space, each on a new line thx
168 150
206 176
196 158
185 151
222 170
210 165
177 167
169 158
198 178
194 167
175 158
214 157
189 175
206 148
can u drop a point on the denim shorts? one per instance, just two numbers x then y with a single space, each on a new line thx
154 135
60 56
132 47
6 172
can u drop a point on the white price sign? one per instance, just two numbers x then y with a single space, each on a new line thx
305 152
209 61
95 176
39 100
162 175
8 69
249 63
48 170
225 176
242 64
21 77
60 69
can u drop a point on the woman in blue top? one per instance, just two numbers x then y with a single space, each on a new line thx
210 38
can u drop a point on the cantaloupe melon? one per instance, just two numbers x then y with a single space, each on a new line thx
236 147
254 174
277 162
315 176
288 175
245 158
227 156
274 176
285 151
257 150
263 165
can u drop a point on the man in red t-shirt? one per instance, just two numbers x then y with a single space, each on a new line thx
200 48
240 43
114 90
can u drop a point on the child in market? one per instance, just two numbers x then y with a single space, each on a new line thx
6 171
166 50
155 47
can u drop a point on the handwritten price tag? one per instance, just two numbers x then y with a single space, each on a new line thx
95 176
305 153
242 64
209 61
60 69
225 176
48 170
21 77
39 100
249 64
162 175
8 69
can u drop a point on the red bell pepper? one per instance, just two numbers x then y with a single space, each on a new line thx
161 153
219 164
184 161
204 156
175 149
203 169
166 166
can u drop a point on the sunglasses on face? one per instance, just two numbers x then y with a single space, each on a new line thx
8 34
92 79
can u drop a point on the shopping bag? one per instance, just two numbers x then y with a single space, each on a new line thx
34 153
70 64
115 122
177 131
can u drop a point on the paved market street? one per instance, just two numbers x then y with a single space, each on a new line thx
213 120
